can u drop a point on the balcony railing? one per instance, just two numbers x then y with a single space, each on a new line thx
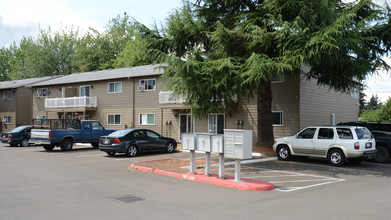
73 102
166 97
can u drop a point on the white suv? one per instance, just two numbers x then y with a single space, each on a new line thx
336 143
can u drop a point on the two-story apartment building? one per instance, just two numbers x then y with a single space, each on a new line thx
16 102
137 97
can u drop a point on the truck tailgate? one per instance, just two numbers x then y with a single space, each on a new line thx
40 136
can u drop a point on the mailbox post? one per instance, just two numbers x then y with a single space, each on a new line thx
188 143
238 146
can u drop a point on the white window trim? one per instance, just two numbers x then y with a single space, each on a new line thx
120 123
216 125
39 93
108 87
5 95
139 85
282 119
154 119
4 119
84 87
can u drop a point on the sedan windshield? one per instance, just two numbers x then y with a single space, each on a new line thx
119 133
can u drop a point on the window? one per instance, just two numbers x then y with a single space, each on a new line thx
307 133
147 85
216 124
277 78
147 119
153 135
96 126
277 118
355 94
326 133
114 87
363 133
114 119
85 91
39 118
344 133
42 92
7 95
7 119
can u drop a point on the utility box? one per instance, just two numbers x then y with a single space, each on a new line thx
203 142
217 143
188 141
238 144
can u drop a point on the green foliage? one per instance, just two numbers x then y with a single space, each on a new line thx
5 64
374 103
382 114
134 54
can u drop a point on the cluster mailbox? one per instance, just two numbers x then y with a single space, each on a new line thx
188 141
212 143
238 144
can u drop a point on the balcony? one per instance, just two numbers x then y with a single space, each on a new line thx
73 102
166 97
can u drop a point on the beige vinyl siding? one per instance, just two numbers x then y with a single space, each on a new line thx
23 106
13 120
317 103
7 105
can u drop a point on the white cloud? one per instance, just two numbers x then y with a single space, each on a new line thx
31 13
379 84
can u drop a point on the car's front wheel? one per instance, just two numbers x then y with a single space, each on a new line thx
131 151
283 152
336 157
170 147
382 155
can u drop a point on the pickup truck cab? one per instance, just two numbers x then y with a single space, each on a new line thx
336 143
89 132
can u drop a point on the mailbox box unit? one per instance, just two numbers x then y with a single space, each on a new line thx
238 144
203 142
217 143
188 141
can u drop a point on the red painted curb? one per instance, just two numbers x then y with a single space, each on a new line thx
246 184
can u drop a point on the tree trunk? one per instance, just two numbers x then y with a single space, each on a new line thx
264 110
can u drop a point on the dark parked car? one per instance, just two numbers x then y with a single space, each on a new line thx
382 133
19 135
132 141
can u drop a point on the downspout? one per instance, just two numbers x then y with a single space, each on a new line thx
134 104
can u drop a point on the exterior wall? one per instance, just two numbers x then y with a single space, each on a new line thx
317 103
23 106
8 108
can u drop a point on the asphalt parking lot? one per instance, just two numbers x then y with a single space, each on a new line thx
87 184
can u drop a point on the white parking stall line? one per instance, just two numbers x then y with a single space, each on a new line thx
300 181
290 189
277 176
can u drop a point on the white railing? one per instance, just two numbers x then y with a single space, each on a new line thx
71 102
166 97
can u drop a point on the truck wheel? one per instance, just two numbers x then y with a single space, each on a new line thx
283 152
336 157
95 144
66 145
382 155
48 147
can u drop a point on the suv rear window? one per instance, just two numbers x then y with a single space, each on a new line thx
344 133
363 133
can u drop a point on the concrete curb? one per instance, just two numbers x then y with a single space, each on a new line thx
246 184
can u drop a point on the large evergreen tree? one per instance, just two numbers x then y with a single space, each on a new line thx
232 48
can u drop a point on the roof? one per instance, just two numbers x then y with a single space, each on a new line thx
138 71
23 82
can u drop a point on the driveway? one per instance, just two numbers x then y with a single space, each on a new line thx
87 184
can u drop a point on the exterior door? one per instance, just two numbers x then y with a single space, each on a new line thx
304 143
184 124
85 92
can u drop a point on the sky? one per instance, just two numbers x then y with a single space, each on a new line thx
20 18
